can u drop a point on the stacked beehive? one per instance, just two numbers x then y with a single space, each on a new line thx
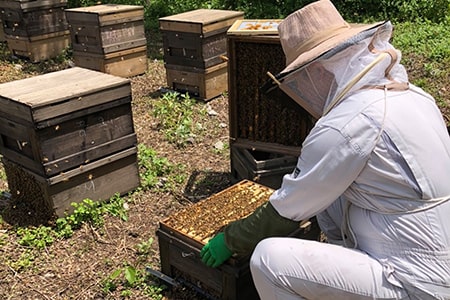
35 29
266 130
109 38
67 136
195 51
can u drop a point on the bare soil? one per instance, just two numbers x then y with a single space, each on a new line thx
76 268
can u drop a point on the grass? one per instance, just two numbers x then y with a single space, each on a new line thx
426 55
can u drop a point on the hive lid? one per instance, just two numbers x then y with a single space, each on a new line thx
31 4
200 20
255 27
104 9
56 93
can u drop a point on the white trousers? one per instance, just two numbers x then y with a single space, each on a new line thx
292 268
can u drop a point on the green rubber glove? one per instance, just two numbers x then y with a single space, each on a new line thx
215 252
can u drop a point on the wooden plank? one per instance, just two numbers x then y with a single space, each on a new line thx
107 39
119 175
200 20
25 161
83 157
30 5
200 83
41 48
267 146
62 86
33 23
79 113
42 113
91 166
87 131
124 63
105 14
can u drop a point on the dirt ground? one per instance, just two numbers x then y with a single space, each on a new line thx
76 268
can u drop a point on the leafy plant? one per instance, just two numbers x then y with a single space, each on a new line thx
156 171
128 277
178 117
35 237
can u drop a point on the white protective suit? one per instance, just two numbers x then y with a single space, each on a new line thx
375 170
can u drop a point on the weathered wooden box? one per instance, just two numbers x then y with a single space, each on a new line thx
182 235
197 38
258 120
266 168
126 63
39 47
106 28
62 120
98 181
203 84
33 18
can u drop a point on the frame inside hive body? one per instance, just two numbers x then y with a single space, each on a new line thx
201 221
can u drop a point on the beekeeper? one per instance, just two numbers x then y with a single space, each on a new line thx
375 171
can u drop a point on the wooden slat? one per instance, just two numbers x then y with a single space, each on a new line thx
105 14
58 86
200 20
89 167
31 5
265 146
119 175
88 155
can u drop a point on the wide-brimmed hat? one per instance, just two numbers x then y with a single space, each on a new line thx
314 30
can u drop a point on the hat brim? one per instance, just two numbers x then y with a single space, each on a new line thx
327 45
324 48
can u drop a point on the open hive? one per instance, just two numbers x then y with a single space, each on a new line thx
206 218
182 235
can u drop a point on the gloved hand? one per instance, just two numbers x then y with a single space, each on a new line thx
215 252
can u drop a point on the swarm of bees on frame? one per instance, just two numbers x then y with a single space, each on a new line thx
204 219
272 117
26 189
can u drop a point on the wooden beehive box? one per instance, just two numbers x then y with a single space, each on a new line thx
33 18
124 63
106 28
58 121
203 84
72 133
49 196
197 38
269 122
39 47
182 235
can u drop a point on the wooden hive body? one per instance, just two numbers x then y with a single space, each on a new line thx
109 38
204 84
37 29
197 38
271 123
63 124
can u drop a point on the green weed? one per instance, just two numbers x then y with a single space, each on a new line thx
128 278
178 116
156 171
